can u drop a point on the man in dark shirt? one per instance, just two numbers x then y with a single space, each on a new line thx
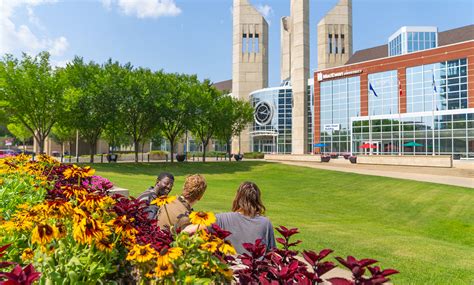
164 185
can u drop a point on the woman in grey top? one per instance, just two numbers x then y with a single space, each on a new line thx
246 221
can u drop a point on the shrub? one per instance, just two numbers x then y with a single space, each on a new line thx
254 155
159 152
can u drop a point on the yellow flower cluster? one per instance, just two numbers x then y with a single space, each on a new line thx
78 172
202 218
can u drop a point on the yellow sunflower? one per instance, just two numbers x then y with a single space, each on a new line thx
227 272
43 234
163 200
227 249
162 270
166 255
209 246
27 254
104 245
89 229
141 253
202 218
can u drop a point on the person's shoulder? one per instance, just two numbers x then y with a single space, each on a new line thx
227 216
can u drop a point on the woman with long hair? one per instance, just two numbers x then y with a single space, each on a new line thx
247 222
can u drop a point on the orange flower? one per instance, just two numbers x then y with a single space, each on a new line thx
163 200
202 218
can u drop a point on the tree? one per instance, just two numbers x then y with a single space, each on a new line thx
234 116
32 93
140 104
88 103
206 117
176 111
20 132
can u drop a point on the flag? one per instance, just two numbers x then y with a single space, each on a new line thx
434 84
372 89
400 91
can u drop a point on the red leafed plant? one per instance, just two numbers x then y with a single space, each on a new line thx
359 268
283 266
18 275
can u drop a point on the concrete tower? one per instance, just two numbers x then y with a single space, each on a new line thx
285 45
299 73
335 36
249 57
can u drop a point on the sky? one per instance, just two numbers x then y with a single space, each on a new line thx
193 36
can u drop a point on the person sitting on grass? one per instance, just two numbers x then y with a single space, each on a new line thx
246 221
176 213
163 186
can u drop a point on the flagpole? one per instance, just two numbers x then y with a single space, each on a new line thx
399 117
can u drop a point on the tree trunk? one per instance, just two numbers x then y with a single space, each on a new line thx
135 146
92 151
143 147
40 140
24 146
172 149
204 146
228 150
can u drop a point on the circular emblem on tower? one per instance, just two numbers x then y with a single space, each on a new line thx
263 113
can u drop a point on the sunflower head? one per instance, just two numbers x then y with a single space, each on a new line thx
202 218
162 270
163 200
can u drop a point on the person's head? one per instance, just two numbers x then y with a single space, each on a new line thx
194 188
164 183
248 200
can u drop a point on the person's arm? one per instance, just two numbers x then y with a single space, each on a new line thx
191 229
270 238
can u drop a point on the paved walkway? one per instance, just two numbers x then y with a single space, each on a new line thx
451 176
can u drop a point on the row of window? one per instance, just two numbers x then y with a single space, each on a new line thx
336 43
250 43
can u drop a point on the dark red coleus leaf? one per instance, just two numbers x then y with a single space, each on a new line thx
220 233
4 248
285 232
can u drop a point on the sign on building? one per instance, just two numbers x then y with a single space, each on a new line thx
332 127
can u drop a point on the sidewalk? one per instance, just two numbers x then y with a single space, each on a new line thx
462 176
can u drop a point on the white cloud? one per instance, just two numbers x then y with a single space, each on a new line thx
266 11
22 38
145 8
58 46
59 63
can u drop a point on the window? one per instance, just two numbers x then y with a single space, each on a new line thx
330 43
244 43
336 44
257 44
343 44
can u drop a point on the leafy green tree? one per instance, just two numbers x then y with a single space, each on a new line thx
20 132
205 100
234 116
177 113
88 103
31 92
140 104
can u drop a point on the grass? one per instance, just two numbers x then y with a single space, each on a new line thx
424 230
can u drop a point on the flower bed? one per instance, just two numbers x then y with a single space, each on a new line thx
59 226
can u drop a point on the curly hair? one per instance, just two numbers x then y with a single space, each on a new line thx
248 200
194 187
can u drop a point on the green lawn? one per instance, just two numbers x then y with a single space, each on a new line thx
424 230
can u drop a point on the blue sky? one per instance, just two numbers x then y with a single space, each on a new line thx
193 36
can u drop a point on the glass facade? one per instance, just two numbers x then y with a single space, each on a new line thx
436 87
395 45
427 133
310 117
383 99
421 41
272 135
340 100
